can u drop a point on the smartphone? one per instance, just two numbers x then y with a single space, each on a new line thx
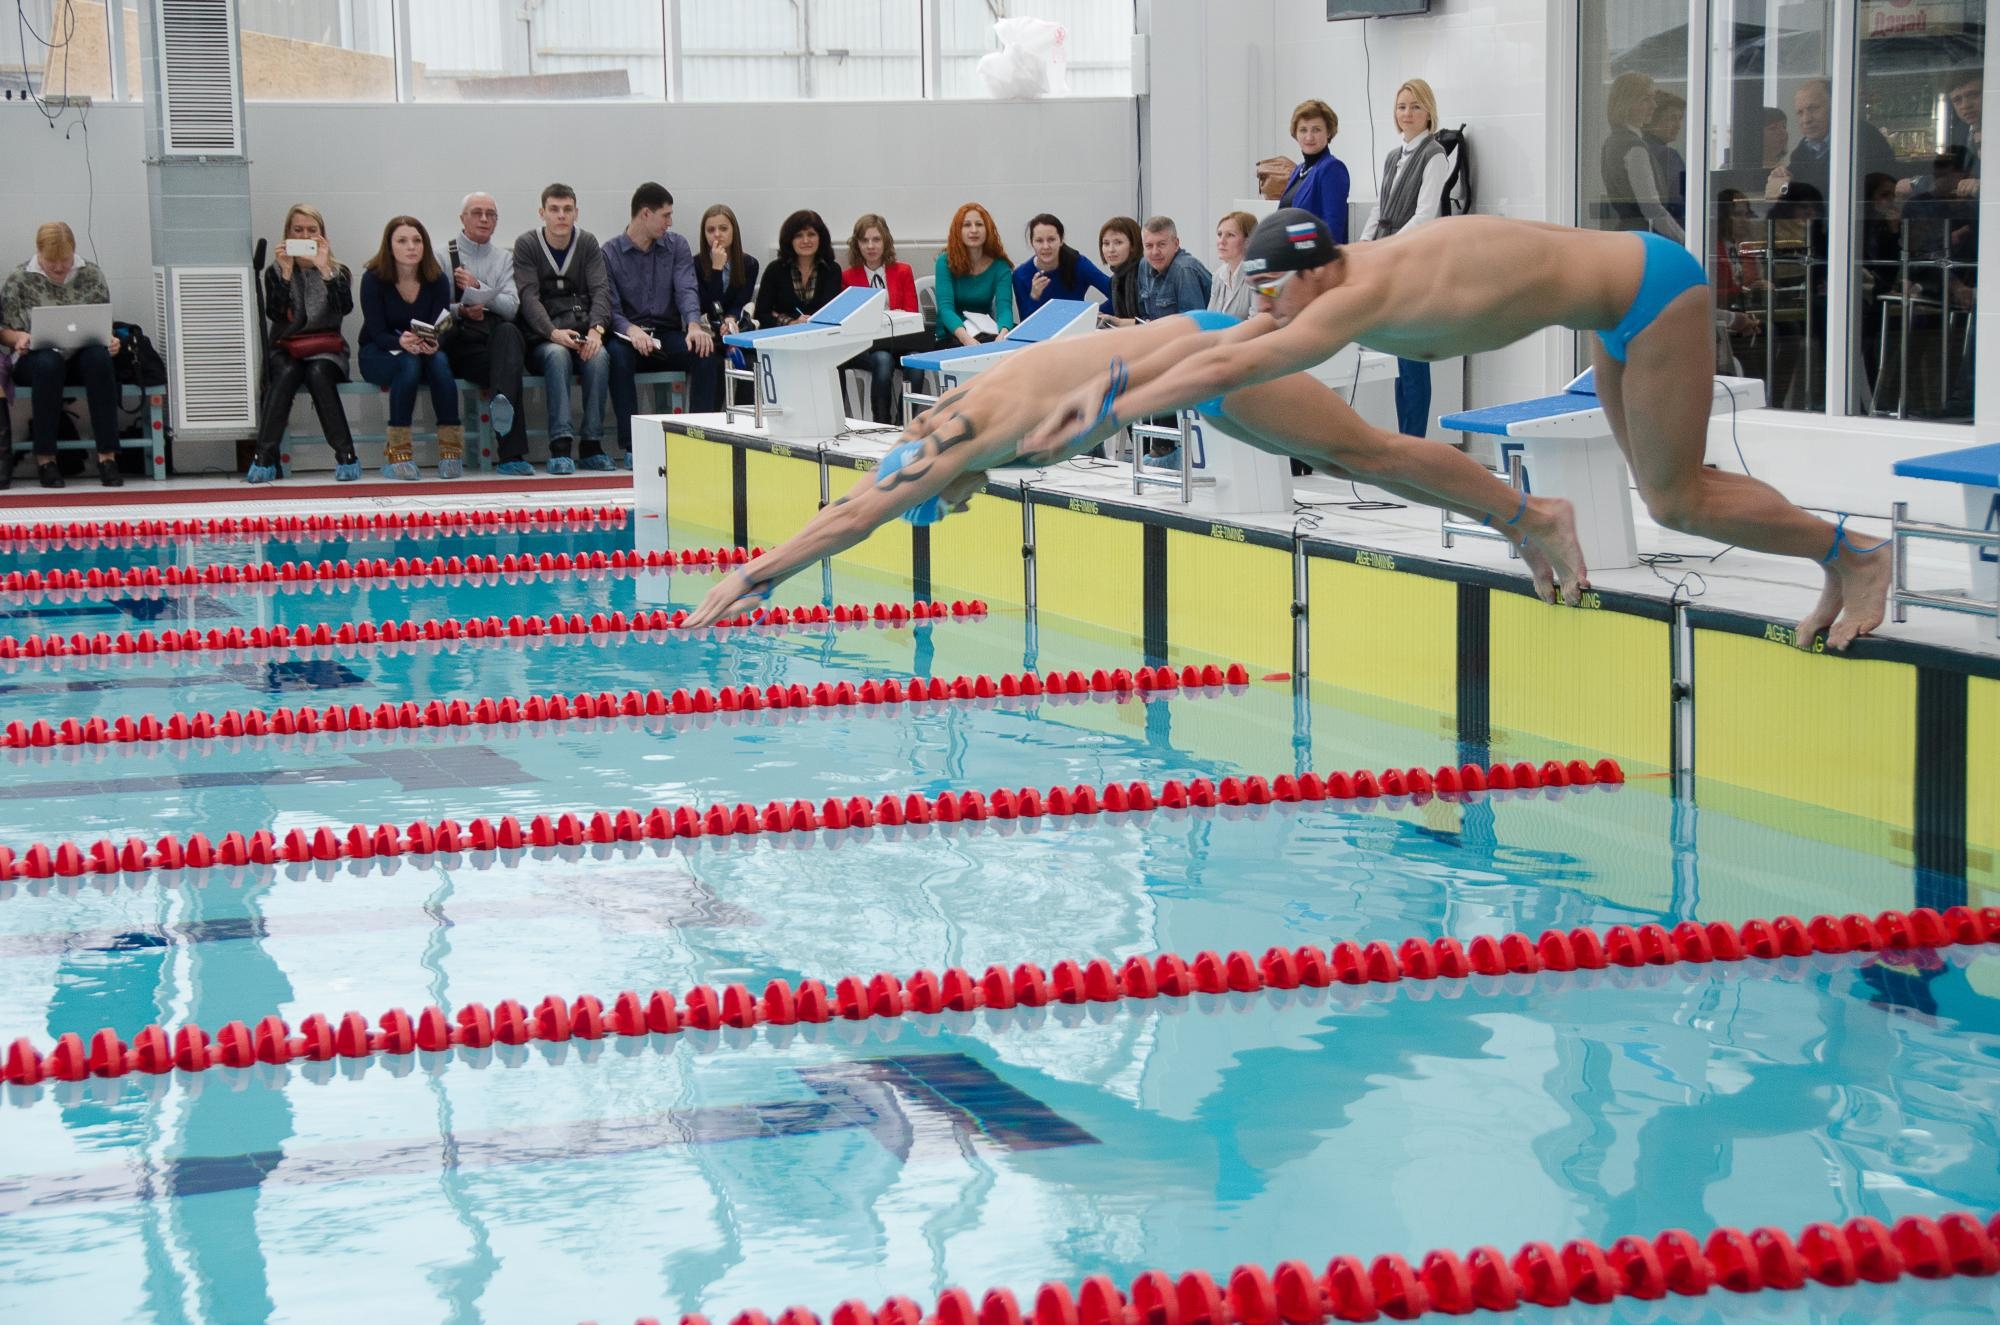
301 248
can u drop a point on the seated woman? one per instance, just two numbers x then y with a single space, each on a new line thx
1057 271
974 279
804 278
1118 243
402 284
305 298
871 264
725 276
1231 292
54 278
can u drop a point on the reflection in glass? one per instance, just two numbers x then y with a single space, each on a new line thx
1769 115
801 50
1917 252
568 50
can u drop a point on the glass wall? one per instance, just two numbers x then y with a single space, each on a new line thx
317 50
802 50
571 50
1631 116
51 49
1916 247
1768 195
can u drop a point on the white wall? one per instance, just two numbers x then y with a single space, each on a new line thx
360 164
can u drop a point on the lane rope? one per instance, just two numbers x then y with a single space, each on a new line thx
202 725
78 533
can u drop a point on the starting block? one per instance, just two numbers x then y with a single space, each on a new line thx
1566 449
1052 321
798 379
1976 469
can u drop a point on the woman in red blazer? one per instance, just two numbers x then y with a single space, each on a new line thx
871 262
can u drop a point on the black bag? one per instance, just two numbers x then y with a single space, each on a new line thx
1457 199
138 361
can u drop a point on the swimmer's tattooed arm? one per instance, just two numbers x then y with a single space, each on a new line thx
946 467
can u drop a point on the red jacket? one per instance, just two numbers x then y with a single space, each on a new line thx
902 285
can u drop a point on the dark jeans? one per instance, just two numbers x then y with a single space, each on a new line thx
47 372
493 358
1413 397
283 376
704 374
403 374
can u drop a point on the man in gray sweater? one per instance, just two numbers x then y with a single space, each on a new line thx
565 315
485 346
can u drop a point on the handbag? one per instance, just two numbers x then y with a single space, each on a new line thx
309 344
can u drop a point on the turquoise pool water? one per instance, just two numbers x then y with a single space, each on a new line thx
714 1171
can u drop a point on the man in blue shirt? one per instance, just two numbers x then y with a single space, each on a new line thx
656 321
1171 280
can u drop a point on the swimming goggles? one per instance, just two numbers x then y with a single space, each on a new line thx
1270 287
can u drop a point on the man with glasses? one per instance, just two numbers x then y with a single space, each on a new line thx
485 346
1466 284
945 453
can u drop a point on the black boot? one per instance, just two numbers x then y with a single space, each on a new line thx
107 471
6 462
51 473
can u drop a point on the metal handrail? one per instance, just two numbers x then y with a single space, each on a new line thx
1517 478
1901 597
1183 437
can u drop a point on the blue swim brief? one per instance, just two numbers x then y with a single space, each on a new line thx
928 512
1210 319
1669 270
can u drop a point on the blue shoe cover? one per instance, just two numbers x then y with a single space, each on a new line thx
261 474
406 470
561 464
599 461
350 472
625 461
515 469
451 467
501 414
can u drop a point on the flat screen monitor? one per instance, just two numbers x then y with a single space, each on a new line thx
1339 9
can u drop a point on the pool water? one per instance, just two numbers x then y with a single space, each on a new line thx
714 1171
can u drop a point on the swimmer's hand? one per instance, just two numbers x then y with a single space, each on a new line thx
1077 424
732 594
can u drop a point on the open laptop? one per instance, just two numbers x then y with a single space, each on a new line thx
69 327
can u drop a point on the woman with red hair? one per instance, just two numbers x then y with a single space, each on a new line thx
975 279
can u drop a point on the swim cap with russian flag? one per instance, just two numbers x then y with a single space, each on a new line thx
1289 239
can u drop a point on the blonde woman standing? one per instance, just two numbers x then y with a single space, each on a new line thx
1412 192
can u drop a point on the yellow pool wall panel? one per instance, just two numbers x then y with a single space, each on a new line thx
1597 680
1385 633
976 553
1229 599
1090 570
1779 725
1982 781
701 487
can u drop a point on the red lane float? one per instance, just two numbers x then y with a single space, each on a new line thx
308 572
475 628
359 842
1448 1283
431 523
885 995
202 725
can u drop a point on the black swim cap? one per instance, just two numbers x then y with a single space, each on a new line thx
1289 239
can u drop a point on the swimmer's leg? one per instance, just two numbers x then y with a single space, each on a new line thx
1658 404
1299 416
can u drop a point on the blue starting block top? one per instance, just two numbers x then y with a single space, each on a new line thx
837 310
1045 323
1974 466
1496 419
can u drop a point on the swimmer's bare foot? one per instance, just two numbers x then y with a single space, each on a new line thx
1864 593
1822 615
1539 567
1549 524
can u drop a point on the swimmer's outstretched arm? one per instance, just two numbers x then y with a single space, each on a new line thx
948 465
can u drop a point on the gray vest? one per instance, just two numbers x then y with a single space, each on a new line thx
1399 197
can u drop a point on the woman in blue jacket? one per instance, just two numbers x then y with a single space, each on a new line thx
1319 182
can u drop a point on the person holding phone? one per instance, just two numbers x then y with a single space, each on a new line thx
404 292
52 278
307 294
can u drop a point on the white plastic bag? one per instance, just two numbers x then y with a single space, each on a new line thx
1033 60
